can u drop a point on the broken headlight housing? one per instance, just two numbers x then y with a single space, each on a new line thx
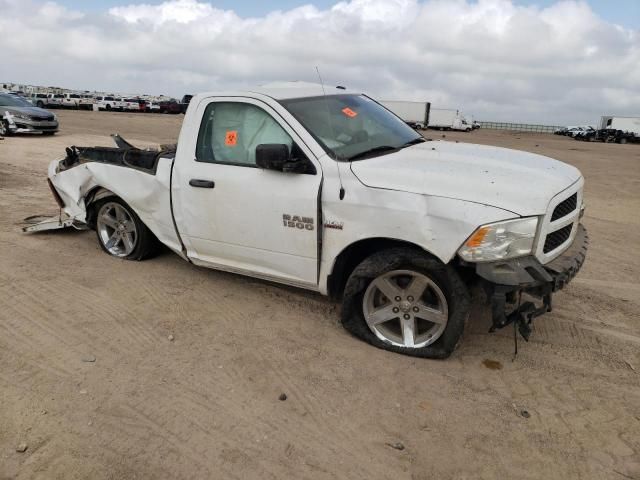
20 116
501 240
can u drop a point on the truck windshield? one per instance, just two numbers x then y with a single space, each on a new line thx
352 127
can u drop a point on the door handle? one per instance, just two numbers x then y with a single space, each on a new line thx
195 182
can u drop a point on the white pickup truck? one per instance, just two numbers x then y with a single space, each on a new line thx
334 193
109 103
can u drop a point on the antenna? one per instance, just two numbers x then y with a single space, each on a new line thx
324 94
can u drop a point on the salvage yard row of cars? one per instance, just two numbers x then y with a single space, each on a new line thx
81 101
612 130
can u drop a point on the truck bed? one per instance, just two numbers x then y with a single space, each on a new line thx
123 155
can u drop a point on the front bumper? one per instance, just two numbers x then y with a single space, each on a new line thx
19 125
506 281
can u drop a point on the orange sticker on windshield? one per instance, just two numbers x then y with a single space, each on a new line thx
231 138
349 113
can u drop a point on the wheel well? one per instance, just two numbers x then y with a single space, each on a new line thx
90 201
355 253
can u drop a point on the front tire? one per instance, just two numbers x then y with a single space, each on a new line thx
120 231
4 128
408 302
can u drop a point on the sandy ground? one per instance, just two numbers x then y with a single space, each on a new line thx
205 405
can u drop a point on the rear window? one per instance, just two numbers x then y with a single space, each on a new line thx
73 95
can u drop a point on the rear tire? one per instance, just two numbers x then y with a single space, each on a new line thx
428 324
120 231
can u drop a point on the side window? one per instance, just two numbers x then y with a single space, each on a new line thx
230 133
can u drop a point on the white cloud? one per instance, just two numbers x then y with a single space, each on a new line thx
561 64
180 11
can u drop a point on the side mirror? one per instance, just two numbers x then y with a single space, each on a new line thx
272 156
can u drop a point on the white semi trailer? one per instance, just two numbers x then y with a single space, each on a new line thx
448 119
414 114
626 124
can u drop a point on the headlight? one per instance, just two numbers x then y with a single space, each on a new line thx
499 241
21 116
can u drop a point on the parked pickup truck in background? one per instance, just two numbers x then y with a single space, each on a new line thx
133 105
71 100
109 103
334 193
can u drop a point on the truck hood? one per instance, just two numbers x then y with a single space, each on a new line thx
520 182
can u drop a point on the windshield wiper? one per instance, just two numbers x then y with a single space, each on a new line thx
373 151
415 141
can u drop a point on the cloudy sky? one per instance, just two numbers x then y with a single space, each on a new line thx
545 61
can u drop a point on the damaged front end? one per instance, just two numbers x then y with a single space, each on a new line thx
505 284
19 123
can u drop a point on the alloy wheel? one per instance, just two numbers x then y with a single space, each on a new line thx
405 308
116 229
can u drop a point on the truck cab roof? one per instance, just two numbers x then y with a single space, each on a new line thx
284 91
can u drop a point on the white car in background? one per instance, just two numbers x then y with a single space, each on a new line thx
579 130
54 100
131 104
86 102
58 99
40 100
70 100
152 106
109 103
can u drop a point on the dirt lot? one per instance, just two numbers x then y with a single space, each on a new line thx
205 405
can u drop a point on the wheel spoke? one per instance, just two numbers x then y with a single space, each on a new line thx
408 331
120 215
127 240
109 220
387 288
129 226
417 287
381 315
430 314
113 241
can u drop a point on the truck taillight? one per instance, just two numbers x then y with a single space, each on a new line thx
55 194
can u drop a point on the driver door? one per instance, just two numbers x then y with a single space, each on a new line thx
235 216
